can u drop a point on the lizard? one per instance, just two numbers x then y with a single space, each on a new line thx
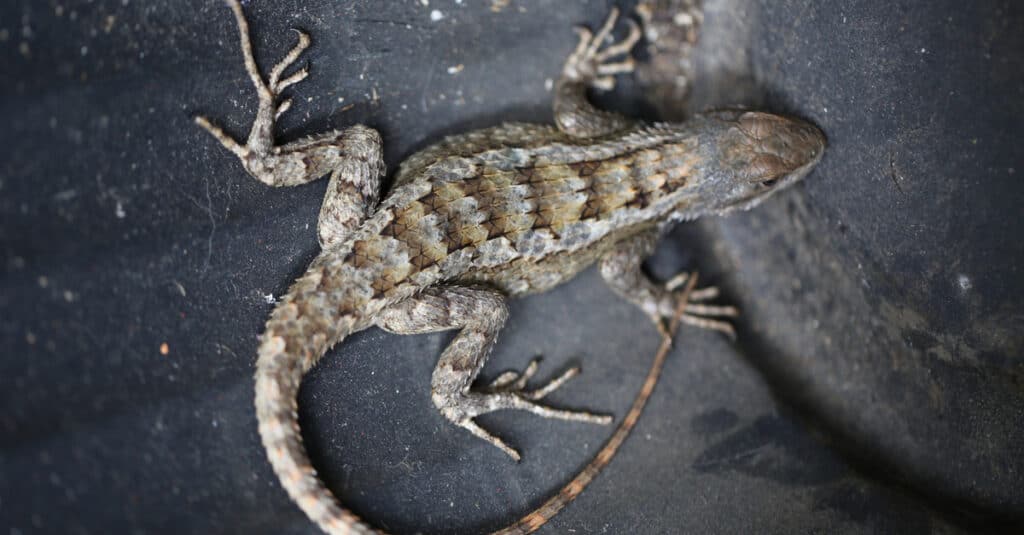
486 216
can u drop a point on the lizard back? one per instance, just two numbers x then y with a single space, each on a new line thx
470 210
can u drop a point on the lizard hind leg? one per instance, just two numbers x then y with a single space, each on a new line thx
479 314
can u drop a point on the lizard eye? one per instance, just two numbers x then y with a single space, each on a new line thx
770 182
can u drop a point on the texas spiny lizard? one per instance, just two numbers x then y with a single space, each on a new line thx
485 216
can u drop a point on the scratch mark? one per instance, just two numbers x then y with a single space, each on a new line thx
208 208
894 173
426 86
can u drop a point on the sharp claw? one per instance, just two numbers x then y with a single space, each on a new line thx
553 385
677 282
624 66
275 73
295 78
705 323
503 380
283 107
622 47
225 140
704 294
709 310
303 37
520 382
603 33
480 432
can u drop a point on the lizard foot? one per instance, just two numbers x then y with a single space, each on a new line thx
509 391
695 312
515 382
591 64
268 92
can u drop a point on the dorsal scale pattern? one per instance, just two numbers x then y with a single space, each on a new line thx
501 203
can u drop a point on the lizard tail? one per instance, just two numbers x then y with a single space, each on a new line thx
292 343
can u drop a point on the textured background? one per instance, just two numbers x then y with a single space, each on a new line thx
878 381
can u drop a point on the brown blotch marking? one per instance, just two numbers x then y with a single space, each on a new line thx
533 192
387 280
494 225
473 235
585 169
519 223
422 261
447 192
394 229
360 253
525 174
403 220
545 217
591 207
405 227
348 306
431 201
472 186
379 287
641 199
459 234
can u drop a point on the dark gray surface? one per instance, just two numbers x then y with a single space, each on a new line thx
878 382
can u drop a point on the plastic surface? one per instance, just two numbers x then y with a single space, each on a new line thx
878 381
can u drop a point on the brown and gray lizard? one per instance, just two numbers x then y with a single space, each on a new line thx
485 216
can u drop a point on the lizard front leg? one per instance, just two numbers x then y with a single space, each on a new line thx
591 66
621 268
478 313
353 156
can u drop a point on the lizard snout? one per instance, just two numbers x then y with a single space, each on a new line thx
779 147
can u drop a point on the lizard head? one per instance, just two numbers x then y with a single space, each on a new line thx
751 155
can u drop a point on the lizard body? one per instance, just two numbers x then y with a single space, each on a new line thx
485 216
